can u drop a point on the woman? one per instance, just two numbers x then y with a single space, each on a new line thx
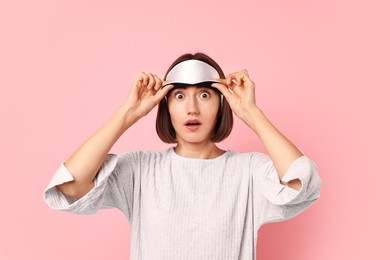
194 200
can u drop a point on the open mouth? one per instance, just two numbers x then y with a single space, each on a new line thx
193 123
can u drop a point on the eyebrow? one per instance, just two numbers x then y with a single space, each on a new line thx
184 86
199 88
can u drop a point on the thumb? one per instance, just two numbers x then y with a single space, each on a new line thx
223 89
162 92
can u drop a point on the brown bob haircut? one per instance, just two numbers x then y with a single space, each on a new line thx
224 123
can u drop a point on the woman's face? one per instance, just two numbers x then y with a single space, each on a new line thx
193 111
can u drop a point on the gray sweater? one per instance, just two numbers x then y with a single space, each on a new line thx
191 209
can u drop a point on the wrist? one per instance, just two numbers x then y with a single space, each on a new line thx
251 115
128 115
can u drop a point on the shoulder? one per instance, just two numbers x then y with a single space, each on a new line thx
251 159
253 156
143 155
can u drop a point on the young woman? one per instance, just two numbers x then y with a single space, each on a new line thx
193 200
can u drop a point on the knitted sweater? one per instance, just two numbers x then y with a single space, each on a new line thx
186 208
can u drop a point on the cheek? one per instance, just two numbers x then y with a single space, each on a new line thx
213 107
211 112
174 112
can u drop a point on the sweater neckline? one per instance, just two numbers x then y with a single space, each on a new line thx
180 157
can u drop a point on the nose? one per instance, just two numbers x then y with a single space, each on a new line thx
192 106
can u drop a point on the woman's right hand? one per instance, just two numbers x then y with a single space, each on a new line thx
86 161
146 93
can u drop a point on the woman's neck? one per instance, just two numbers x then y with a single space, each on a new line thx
199 150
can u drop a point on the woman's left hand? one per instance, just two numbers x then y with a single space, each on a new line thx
239 91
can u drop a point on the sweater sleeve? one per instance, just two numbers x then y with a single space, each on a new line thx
275 202
113 187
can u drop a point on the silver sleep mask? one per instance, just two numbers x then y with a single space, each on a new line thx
192 72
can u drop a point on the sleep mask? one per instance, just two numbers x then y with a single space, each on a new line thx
192 72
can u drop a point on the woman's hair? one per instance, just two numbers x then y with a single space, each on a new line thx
224 123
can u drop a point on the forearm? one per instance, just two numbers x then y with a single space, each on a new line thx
239 91
85 162
282 152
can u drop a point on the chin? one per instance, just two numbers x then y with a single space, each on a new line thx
195 139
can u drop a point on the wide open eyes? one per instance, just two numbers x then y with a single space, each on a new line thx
179 96
202 95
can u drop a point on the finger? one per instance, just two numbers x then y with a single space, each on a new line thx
233 81
162 92
139 81
236 77
152 81
226 85
158 81
144 79
222 88
240 77
222 81
228 80
166 82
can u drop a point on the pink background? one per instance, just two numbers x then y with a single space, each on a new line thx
321 70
